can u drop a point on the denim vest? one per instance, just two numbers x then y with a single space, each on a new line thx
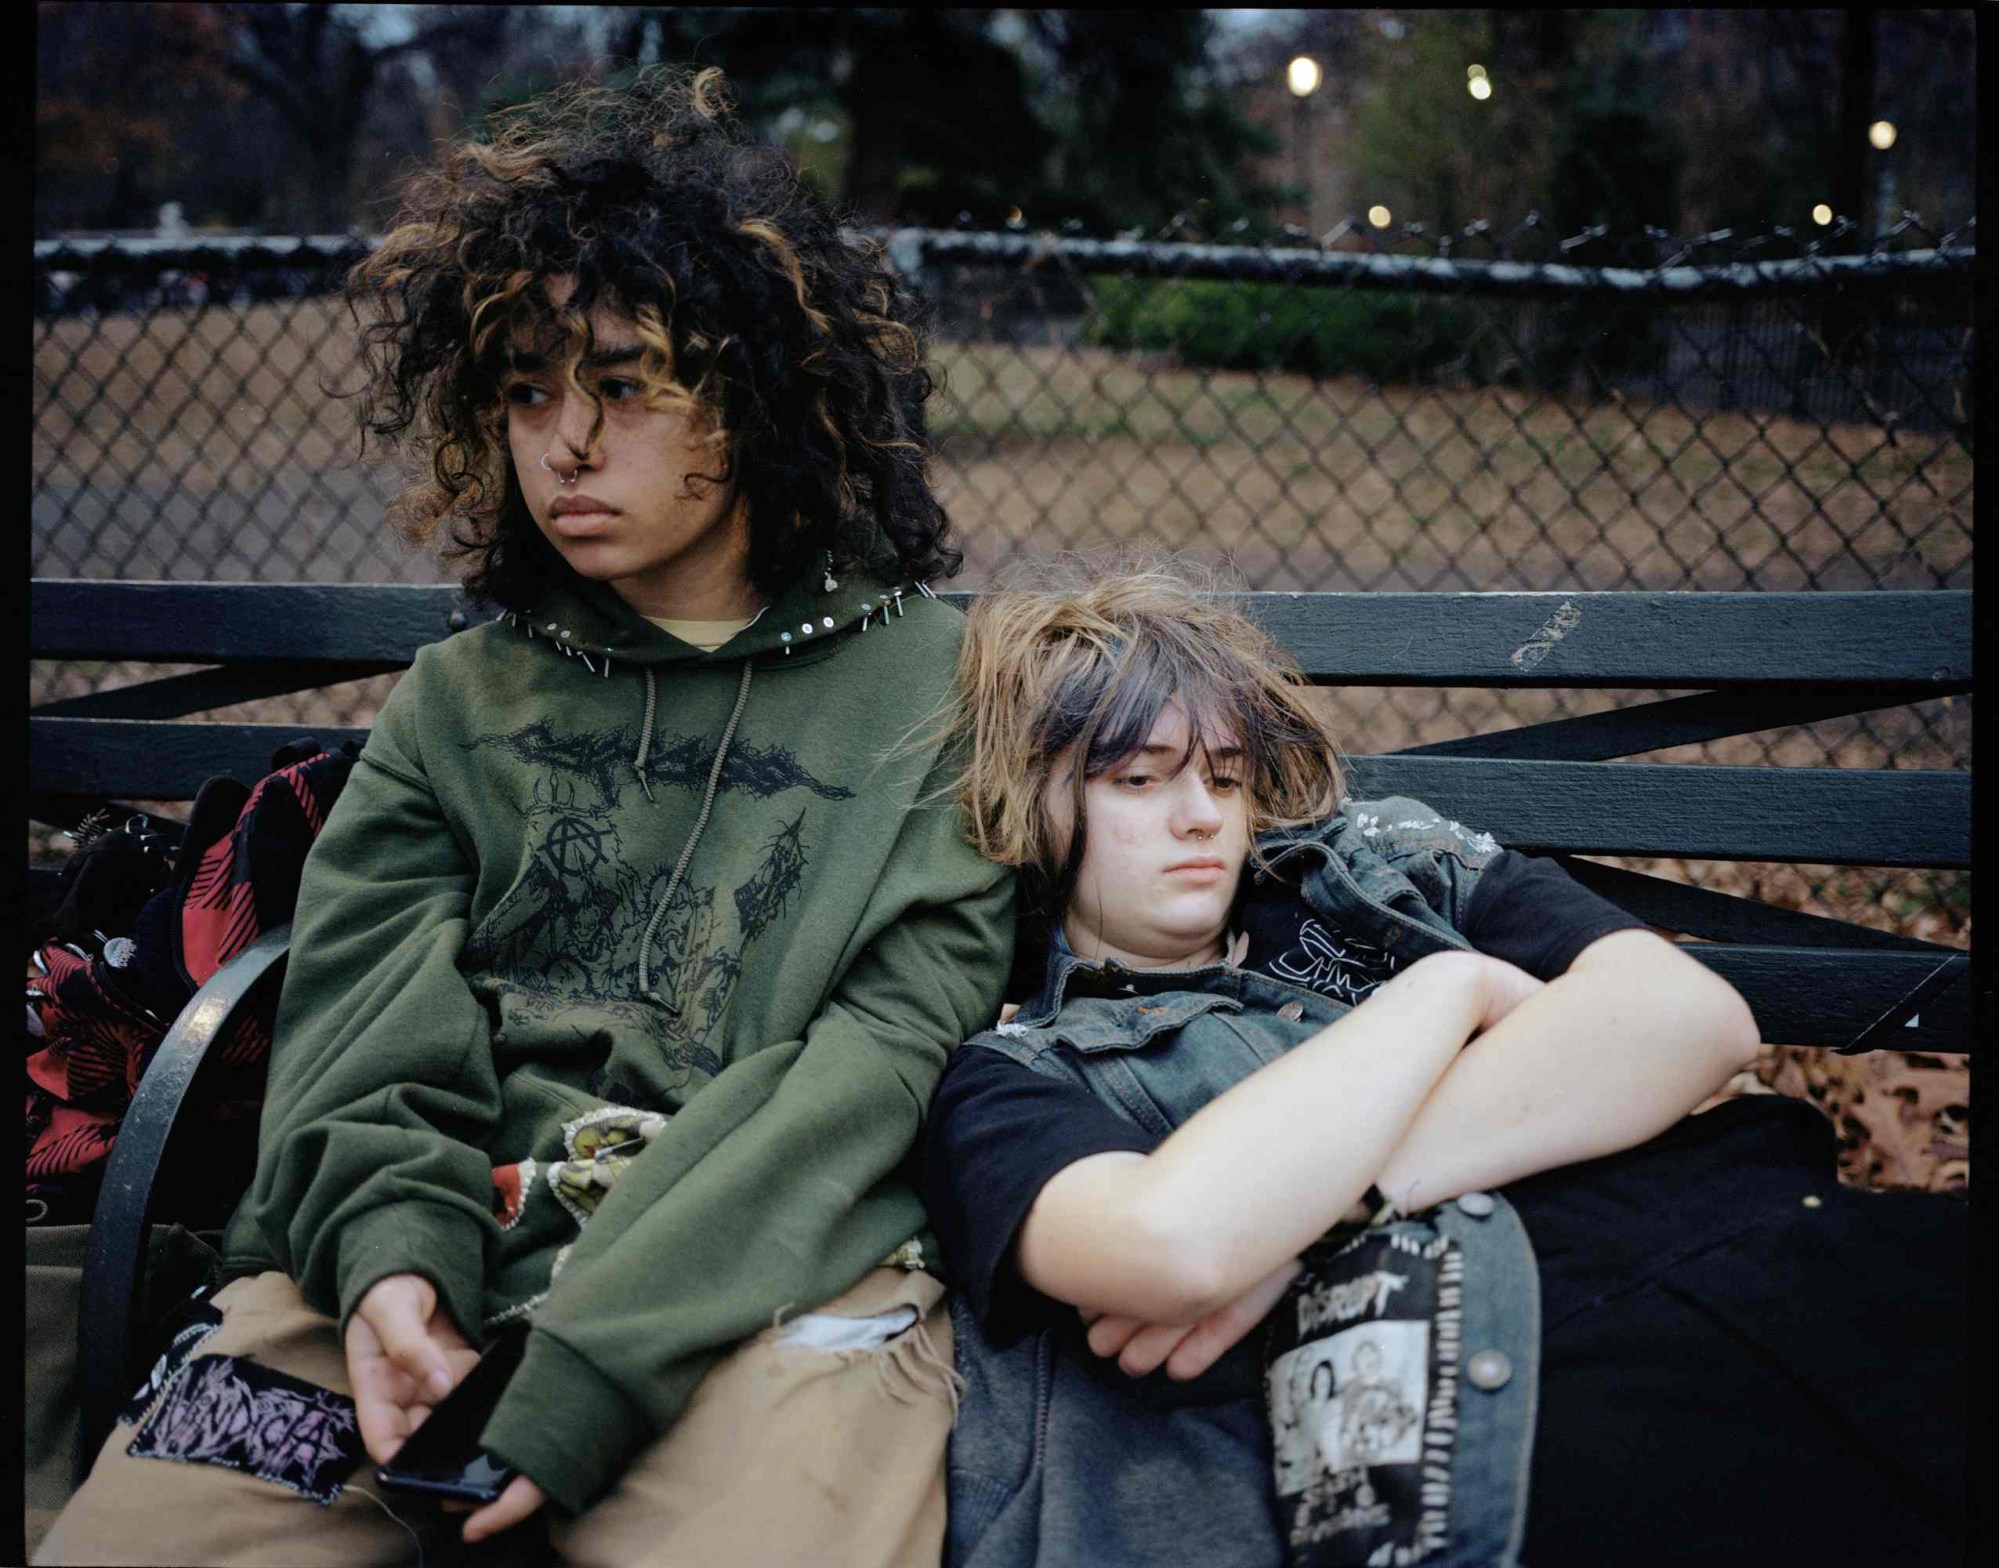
1059 1458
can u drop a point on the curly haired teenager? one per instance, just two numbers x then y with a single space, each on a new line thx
627 964
1335 1199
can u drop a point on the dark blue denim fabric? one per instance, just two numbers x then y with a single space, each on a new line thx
1058 1457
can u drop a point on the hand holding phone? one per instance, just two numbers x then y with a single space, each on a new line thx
404 1354
442 1458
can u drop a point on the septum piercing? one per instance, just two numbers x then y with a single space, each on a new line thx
545 463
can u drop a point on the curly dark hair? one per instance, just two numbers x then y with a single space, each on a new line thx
796 344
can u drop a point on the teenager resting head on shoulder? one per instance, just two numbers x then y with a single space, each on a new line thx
1136 745
1262 1021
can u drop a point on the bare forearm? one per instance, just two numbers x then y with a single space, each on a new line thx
1260 1171
1632 1038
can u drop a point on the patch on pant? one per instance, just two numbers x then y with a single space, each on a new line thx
188 1338
230 1412
1361 1382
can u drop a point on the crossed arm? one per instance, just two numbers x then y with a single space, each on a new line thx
1462 1072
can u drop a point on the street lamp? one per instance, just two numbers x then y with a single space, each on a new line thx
1822 215
1477 83
1303 76
1881 137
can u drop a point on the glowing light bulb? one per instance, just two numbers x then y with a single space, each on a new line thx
1479 88
1821 214
1303 76
1378 215
1881 134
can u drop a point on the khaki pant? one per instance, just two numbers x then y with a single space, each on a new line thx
786 1454
51 1399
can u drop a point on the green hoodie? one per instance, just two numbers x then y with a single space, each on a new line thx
467 1082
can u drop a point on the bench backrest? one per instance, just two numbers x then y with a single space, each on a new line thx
1752 661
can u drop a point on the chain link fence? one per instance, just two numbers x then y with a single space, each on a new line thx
1471 410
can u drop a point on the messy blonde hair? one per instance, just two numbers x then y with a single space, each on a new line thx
1075 657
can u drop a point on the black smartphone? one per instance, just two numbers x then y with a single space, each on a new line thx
442 1458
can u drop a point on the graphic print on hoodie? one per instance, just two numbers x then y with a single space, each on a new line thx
570 930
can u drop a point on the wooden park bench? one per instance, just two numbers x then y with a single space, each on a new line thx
1754 661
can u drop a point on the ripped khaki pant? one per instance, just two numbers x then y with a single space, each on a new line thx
815 1443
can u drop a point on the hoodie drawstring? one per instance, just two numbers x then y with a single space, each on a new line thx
645 732
700 824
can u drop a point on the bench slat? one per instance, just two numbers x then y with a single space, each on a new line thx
1663 640
1824 997
197 691
1677 721
1666 640
140 759
1725 917
1821 816
1830 816
209 623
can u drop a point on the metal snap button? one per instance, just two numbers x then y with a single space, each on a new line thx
1292 1010
1489 1369
1476 1204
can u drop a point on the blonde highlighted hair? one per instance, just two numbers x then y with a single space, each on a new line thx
790 343
1077 657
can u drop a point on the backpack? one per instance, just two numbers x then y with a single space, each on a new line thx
136 934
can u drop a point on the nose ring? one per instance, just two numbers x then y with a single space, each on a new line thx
545 463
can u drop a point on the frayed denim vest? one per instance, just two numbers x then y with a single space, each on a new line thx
1061 1460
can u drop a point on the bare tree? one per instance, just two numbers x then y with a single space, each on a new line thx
316 66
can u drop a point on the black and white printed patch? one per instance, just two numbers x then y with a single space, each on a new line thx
1287 941
203 1321
227 1411
1361 1381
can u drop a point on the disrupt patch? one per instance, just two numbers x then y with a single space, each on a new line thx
242 1416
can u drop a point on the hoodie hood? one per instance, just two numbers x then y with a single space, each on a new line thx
592 622
802 623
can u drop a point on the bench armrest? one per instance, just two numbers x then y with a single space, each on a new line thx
114 1263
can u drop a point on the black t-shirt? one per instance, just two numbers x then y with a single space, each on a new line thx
1524 909
999 1132
1716 1269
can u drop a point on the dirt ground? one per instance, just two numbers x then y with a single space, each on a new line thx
218 430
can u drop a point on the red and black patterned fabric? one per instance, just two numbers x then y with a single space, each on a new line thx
98 1008
240 884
